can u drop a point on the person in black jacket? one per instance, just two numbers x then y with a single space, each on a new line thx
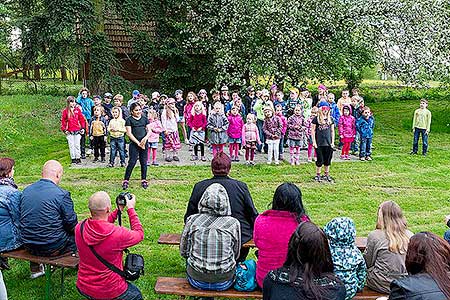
242 207
428 264
307 273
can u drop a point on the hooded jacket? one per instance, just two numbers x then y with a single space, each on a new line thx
349 264
365 127
296 127
347 125
272 127
94 278
156 129
235 128
211 238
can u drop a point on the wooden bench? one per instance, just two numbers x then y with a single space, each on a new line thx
174 239
182 288
63 261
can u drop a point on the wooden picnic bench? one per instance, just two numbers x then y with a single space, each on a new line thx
63 261
174 239
182 288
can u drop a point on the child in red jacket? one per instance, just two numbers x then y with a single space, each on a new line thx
197 122
73 124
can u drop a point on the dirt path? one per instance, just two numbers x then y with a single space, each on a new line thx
185 158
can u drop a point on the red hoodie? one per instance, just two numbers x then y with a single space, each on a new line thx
94 278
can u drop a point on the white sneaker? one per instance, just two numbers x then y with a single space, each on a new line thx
89 151
38 274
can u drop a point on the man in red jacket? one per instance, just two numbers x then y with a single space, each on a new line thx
95 280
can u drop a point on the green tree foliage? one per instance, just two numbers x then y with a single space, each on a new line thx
207 43
410 37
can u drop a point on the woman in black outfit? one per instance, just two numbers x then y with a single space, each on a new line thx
138 130
308 270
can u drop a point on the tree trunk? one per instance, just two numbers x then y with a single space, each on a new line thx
63 73
37 72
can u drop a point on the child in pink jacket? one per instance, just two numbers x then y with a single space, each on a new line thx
347 130
234 132
156 129
250 138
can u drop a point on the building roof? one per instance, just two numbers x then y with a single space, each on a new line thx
121 40
119 35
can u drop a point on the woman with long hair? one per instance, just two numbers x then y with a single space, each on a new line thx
428 265
274 227
9 215
386 248
308 270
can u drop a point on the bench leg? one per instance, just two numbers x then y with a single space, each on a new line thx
48 281
62 282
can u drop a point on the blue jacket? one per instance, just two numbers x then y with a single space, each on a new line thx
349 264
47 217
365 127
9 218
335 113
86 106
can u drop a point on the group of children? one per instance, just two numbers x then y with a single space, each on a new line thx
272 123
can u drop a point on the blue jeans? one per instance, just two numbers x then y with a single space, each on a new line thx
207 286
132 293
262 137
447 236
117 144
365 146
417 133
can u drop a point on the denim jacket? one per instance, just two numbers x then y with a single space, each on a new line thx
9 218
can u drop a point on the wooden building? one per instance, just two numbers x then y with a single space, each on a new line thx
122 42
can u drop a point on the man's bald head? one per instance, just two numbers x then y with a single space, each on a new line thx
53 171
99 203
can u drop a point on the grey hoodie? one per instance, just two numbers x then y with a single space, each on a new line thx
211 238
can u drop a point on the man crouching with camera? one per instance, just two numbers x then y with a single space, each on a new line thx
100 243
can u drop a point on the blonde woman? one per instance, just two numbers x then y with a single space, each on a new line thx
386 248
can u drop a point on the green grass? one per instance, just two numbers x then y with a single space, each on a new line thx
30 133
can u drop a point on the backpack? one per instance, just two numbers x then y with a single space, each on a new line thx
246 276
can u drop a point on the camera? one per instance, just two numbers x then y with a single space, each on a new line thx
122 198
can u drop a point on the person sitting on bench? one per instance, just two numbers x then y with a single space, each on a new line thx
242 207
47 218
211 241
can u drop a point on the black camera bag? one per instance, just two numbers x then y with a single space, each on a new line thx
133 267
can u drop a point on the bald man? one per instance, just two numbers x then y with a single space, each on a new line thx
47 218
95 280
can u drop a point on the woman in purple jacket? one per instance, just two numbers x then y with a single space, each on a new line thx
274 227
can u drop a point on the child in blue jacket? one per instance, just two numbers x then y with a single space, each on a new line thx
348 261
364 126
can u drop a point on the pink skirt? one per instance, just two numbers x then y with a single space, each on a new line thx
172 141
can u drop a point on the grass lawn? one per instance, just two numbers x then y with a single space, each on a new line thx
420 185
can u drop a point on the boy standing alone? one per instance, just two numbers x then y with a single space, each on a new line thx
421 126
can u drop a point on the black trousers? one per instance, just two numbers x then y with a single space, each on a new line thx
202 149
136 153
99 144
